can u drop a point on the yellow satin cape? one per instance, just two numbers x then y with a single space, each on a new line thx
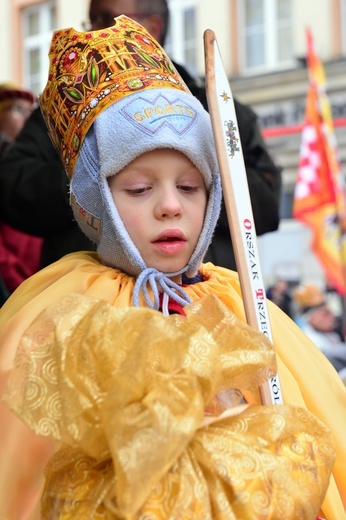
126 390
307 379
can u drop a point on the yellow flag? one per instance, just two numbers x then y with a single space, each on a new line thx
319 198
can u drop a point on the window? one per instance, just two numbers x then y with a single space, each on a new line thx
181 42
267 34
39 21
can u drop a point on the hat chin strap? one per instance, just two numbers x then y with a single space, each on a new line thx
158 280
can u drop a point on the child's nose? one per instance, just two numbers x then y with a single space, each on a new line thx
168 205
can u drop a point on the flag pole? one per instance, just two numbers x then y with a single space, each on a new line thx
237 201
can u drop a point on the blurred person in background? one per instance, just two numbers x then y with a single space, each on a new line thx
16 106
319 323
336 302
19 253
279 293
33 185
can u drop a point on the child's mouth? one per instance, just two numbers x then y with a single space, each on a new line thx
168 239
170 245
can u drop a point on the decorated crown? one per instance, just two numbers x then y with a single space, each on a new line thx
90 71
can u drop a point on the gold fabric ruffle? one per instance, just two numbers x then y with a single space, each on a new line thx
126 390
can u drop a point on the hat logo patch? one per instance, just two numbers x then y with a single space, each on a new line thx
153 116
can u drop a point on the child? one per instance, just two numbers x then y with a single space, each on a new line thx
147 406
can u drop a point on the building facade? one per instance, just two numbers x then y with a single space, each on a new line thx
263 47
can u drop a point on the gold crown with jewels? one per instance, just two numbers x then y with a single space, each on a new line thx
89 71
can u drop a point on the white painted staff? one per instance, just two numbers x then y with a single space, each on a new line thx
237 200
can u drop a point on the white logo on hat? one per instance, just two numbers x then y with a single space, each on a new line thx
152 115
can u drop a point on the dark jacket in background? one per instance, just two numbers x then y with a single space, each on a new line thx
34 188
34 193
20 253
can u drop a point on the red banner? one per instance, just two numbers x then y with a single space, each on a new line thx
319 198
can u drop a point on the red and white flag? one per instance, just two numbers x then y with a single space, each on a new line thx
319 198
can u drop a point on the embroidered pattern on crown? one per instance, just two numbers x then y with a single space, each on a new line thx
90 71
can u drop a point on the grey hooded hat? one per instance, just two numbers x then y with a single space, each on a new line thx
141 122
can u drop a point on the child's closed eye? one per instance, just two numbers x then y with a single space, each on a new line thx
188 188
137 191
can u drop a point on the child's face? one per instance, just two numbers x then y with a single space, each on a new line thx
161 199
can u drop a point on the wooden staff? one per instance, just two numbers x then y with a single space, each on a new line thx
237 200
